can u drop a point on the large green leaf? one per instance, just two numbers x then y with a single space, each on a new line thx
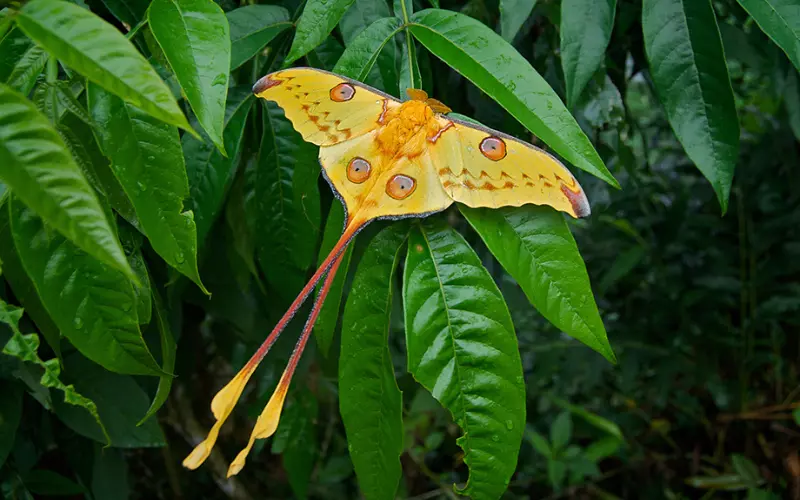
585 32
147 159
195 38
93 305
296 440
360 15
36 165
109 475
252 28
513 14
370 402
27 70
534 245
95 49
365 49
364 30
287 212
10 415
315 24
462 348
489 62
131 12
210 173
688 67
780 20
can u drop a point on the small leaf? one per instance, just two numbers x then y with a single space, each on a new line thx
13 46
95 49
252 28
10 412
780 20
24 75
47 483
360 15
36 165
362 53
513 14
585 32
370 402
93 305
561 431
592 418
130 12
462 348
747 470
539 443
556 473
195 38
496 68
688 67
168 351
602 448
132 243
315 24
147 159
534 245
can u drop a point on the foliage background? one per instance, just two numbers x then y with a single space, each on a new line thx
700 308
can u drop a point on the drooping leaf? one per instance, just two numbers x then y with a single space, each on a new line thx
35 163
168 351
534 245
24 347
95 49
688 67
780 20
252 28
210 173
93 305
195 38
147 159
315 24
288 212
10 414
513 14
488 61
462 348
369 399
585 32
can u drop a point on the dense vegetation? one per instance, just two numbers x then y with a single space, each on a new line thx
155 219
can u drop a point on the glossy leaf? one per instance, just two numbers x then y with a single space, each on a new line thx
315 24
132 243
131 12
462 348
25 346
195 38
780 20
35 163
93 305
147 159
55 99
368 30
409 75
168 352
688 68
10 415
329 316
534 245
360 15
13 46
364 50
370 402
252 27
489 62
27 70
287 214
513 14
95 49
585 32
120 402
210 173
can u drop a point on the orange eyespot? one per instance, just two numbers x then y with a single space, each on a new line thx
400 187
493 148
343 92
358 170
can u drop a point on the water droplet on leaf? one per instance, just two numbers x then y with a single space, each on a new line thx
78 323
142 186
509 424
179 258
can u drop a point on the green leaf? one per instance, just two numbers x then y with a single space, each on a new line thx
369 400
623 264
95 49
602 448
747 470
360 15
409 77
109 475
513 14
368 28
252 28
13 46
210 173
791 97
24 347
493 65
362 53
120 402
195 38
329 315
132 243
796 415
147 159
168 351
315 24
688 67
24 75
780 20
585 32
591 418
287 212
130 12
462 348
296 440
556 473
93 305
534 245
36 165
48 483
561 431
539 443
10 413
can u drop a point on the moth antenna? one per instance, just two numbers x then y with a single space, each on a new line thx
267 422
223 403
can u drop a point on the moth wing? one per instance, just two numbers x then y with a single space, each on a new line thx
325 108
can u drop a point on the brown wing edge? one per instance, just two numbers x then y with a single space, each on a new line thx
265 82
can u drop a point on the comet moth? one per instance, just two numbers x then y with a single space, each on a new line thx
385 158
